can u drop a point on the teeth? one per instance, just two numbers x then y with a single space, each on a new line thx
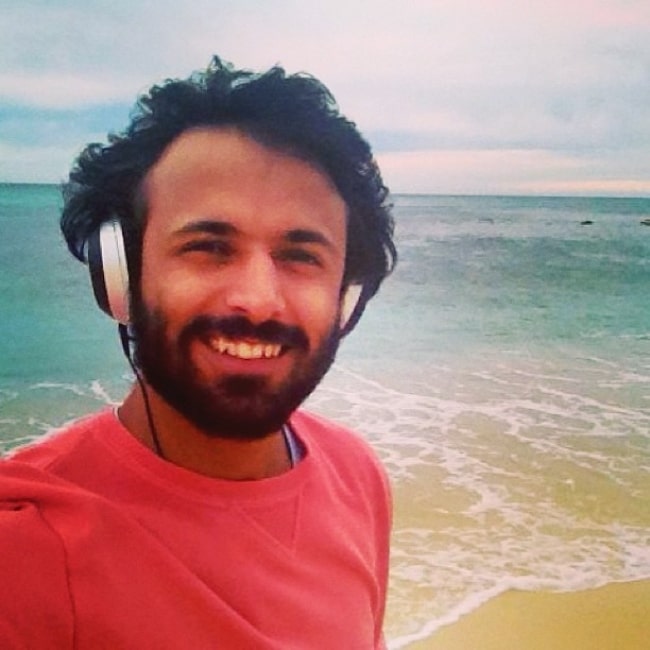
271 351
245 350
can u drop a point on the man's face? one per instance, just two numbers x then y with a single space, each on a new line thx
237 315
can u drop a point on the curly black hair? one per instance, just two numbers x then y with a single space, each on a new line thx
292 113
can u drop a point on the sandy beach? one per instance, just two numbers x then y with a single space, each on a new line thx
613 617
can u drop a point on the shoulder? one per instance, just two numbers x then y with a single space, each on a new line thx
63 442
331 437
341 449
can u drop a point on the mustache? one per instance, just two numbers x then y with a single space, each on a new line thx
239 327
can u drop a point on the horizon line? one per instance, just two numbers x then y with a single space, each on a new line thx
437 193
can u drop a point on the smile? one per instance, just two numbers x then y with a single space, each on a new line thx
245 349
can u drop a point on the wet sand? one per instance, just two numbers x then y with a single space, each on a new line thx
613 617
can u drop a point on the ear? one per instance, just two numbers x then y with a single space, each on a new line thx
350 300
109 270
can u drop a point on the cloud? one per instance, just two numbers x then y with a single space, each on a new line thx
437 76
58 90
514 171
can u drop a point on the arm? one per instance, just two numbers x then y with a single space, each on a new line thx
35 605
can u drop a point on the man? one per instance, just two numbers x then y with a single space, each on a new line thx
236 230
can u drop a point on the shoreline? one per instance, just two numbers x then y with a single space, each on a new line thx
615 616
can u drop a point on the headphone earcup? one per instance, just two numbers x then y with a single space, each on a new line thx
351 307
109 272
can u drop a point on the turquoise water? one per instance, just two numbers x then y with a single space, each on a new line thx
503 375
514 272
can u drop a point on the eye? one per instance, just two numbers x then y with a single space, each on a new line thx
214 247
300 256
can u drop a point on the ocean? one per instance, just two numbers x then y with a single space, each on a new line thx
502 374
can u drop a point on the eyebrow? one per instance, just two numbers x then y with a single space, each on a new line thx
304 236
224 228
208 227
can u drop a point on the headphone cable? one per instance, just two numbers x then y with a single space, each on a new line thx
126 339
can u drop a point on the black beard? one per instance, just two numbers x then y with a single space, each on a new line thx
242 407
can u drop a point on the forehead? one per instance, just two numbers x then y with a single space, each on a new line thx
224 173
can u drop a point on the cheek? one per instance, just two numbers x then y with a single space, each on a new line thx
165 284
180 295
317 310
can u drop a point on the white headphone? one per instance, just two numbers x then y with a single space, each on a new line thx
352 307
109 271
109 275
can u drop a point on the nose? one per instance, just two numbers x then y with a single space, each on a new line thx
255 290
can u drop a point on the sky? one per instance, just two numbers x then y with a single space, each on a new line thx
546 97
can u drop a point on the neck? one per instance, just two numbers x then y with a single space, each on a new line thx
185 445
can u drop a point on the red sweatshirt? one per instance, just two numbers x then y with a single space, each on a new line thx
105 545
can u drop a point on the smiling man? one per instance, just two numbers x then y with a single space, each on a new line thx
236 231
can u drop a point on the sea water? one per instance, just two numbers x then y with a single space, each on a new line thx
502 374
